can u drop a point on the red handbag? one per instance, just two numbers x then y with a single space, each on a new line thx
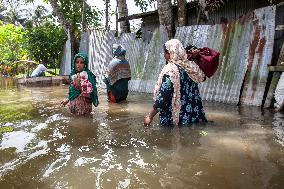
207 60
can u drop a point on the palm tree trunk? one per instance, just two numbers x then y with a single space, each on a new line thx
67 25
182 19
166 15
116 19
83 15
123 11
107 15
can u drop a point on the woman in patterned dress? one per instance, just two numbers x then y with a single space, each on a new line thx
82 90
176 94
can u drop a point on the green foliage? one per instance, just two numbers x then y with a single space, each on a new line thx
46 42
14 106
73 12
143 4
38 16
14 12
12 43
6 129
14 112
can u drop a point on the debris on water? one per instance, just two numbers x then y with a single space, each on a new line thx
84 149
31 145
124 183
203 133
198 173
6 129
103 124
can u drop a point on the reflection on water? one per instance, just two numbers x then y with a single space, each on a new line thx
243 147
6 82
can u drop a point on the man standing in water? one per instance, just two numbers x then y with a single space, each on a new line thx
40 70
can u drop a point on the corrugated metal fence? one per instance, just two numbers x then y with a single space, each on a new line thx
146 60
246 47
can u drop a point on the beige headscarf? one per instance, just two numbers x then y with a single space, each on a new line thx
177 57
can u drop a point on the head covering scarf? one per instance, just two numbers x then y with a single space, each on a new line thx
178 56
119 67
73 92
118 51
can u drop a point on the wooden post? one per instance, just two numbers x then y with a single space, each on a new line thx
275 78
198 16
28 74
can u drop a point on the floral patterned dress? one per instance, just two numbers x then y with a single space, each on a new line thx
191 110
82 105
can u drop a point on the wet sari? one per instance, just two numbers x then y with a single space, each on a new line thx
176 94
118 75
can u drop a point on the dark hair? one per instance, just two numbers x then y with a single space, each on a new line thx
190 47
165 48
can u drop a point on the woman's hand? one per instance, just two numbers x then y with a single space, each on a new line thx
195 53
147 120
77 82
64 102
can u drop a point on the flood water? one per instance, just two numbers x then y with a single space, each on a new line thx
242 148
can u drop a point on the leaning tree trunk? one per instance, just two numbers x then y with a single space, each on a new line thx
83 12
107 14
116 19
123 11
67 25
166 15
182 19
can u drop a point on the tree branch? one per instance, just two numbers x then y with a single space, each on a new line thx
58 12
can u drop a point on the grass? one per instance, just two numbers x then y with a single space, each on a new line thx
56 72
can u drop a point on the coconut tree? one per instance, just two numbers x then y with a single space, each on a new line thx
37 16
83 13
71 14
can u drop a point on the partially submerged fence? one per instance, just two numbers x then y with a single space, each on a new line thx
245 45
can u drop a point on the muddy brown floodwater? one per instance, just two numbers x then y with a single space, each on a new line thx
242 148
